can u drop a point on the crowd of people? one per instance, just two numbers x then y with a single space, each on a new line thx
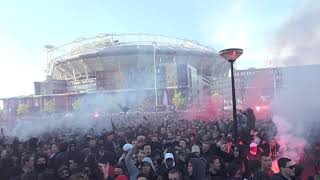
155 146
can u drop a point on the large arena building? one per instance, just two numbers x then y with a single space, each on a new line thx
123 63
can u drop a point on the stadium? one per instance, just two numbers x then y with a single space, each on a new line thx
123 63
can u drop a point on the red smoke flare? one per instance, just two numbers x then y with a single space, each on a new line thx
208 108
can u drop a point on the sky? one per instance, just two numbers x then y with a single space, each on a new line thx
26 26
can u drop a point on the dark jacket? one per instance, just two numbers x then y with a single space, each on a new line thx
58 159
312 177
134 171
199 169
279 177
218 176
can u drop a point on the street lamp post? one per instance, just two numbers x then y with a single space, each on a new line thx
231 55
155 73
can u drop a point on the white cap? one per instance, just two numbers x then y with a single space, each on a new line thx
127 147
168 156
195 149
253 145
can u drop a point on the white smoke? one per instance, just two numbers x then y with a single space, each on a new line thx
291 145
297 42
102 104
297 109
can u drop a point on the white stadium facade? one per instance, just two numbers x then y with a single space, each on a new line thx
123 63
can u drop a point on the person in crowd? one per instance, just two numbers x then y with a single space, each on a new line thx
27 170
265 147
62 172
119 171
183 146
255 170
196 169
74 153
41 167
205 153
195 150
266 163
5 164
316 174
142 177
79 176
146 166
286 167
236 155
166 166
163 146
298 171
254 153
234 171
148 169
175 174
215 169
147 149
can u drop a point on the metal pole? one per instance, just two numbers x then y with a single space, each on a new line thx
234 107
155 74
274 83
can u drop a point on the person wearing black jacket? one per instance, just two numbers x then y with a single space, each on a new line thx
286 167
196 169
61 157
73 152
215 170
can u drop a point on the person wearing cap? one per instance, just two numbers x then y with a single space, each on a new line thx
254 154
195 150
125 149
167 164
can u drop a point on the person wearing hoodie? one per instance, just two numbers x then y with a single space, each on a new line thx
196 169
147 167
167 164
215 168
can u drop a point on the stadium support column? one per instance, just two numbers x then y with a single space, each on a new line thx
155 73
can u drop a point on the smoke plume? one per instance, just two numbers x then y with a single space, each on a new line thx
297 42
206 108
94 111
297 108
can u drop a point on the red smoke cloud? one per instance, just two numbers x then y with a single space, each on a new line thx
259 83
207 108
